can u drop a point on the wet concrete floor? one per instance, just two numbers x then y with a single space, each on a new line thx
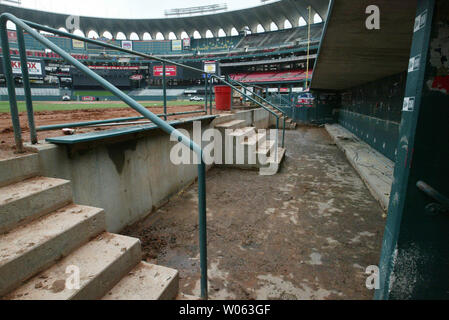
308 232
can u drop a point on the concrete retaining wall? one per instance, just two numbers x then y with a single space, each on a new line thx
130 177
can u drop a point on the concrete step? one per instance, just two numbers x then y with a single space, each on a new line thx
102 262
232 140
244 132
29 199
29 249
272 165
233 124
266 148
18 168
146 282
255 140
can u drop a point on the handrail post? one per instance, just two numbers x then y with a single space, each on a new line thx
164 90
205 93
26 85
276 143
202 226
211 94
283 133
10 84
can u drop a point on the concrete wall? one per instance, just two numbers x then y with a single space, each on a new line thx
128 177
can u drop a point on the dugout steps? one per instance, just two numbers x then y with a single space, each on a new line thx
44 234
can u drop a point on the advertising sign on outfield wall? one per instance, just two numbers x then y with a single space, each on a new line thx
186 43
170 71
12 36
176 45
126 44
34 68
77 44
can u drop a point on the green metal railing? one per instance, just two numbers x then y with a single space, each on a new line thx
269 103
28 27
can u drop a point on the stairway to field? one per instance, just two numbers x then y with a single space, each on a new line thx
245 147
289 123
46 241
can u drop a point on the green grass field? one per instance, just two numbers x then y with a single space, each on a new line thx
45 106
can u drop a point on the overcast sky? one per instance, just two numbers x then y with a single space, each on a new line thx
128 8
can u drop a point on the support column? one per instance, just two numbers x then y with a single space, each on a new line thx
414 262
164 88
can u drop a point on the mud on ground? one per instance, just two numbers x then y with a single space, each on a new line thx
308 232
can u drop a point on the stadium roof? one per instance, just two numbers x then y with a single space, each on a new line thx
351 55
276 12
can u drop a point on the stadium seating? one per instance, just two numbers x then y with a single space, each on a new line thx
257 77
265 41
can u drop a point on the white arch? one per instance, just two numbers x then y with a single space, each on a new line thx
107 35
273 27
160 36
209 34
133 36
260 29
287 24
62 29
92 34
317 18
120 36
10 25
234 32
221 33
78 32
172 36
147 36
196 35
184 35
301 22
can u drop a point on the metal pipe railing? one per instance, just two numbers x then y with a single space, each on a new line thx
125 98
259 104
271 104
113 120
28 26
434 194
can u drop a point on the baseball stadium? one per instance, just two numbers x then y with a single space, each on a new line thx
224 150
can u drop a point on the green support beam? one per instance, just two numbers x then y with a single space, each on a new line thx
414 262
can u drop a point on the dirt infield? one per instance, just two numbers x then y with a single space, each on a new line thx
65 116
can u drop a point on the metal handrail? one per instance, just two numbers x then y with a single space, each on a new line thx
260 97
21 25
434 194
28 26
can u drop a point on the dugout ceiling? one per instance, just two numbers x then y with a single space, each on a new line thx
351 55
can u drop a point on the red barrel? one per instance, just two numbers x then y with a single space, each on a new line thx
223 97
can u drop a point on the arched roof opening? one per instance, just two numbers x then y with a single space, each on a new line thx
120 36
134 36
147 36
